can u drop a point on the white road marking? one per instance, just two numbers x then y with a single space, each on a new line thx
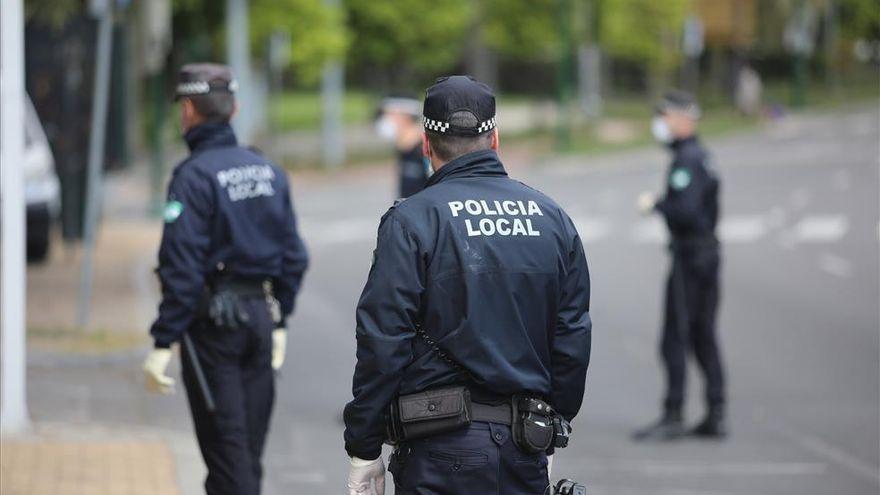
823 449
592 229
819 228
650 231
743 228
835 265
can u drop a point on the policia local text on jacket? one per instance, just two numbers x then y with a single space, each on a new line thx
495 273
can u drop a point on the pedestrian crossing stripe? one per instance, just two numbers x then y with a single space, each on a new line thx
172 211
679 179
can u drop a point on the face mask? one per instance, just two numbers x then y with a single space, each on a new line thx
660 130
386 129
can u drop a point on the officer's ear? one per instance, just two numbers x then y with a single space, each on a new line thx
426 146
496 140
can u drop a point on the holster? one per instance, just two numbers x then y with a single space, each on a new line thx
222 301
532 425
428 413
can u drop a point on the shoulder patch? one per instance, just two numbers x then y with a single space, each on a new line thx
679 179
172 211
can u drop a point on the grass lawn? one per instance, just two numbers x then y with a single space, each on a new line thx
301 110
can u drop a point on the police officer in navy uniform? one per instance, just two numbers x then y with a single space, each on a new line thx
690 209
479 285
399 121
230 265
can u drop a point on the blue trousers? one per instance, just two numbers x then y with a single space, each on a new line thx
479 460
238 368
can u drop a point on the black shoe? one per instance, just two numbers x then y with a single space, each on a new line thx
670 427
713 425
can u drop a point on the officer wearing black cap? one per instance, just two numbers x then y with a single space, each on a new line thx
690 208
230 264
473 329
399 120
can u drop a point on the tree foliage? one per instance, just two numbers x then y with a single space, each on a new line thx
316 30
644 31
524 28
407 39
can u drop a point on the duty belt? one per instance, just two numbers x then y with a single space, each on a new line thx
242 286
500 414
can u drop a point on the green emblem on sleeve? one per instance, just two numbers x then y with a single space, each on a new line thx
172 211
679 179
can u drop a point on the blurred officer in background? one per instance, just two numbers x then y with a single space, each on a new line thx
230 265
690 208
399 120
473 329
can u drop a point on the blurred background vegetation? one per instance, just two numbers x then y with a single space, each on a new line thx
570 74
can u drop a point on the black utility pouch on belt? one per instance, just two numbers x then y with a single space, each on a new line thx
429 413
532 424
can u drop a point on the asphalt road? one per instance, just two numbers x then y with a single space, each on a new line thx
799 322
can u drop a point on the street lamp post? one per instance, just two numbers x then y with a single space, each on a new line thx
13 404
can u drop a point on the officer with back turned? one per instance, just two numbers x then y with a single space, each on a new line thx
473 329
690 208
230 264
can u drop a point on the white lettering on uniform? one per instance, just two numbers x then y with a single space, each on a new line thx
472 207
455 207
247 181
533 209
502 217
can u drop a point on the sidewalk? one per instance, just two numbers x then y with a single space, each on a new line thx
65 463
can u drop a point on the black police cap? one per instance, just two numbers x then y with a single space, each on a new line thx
453 94
204 78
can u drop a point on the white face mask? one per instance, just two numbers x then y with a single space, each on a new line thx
386 129
660 130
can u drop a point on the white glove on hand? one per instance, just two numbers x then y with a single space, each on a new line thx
279 347
363 473
154 371
646 203
549 465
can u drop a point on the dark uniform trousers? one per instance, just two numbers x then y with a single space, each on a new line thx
238 367
479 460
691 305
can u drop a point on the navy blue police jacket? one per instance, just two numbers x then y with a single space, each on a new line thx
690 205
495 273
229 211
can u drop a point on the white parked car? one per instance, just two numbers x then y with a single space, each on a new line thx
42 190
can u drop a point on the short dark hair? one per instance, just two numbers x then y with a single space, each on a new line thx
216 106
448 147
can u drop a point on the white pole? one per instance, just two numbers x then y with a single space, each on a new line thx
332 94
94 184
13 404
238 54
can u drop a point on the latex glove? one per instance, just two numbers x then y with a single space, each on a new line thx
154 371
279 347
363 474
646 202
549 465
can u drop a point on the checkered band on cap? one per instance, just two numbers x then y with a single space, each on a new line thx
193 88
486 126
435 125
203 87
